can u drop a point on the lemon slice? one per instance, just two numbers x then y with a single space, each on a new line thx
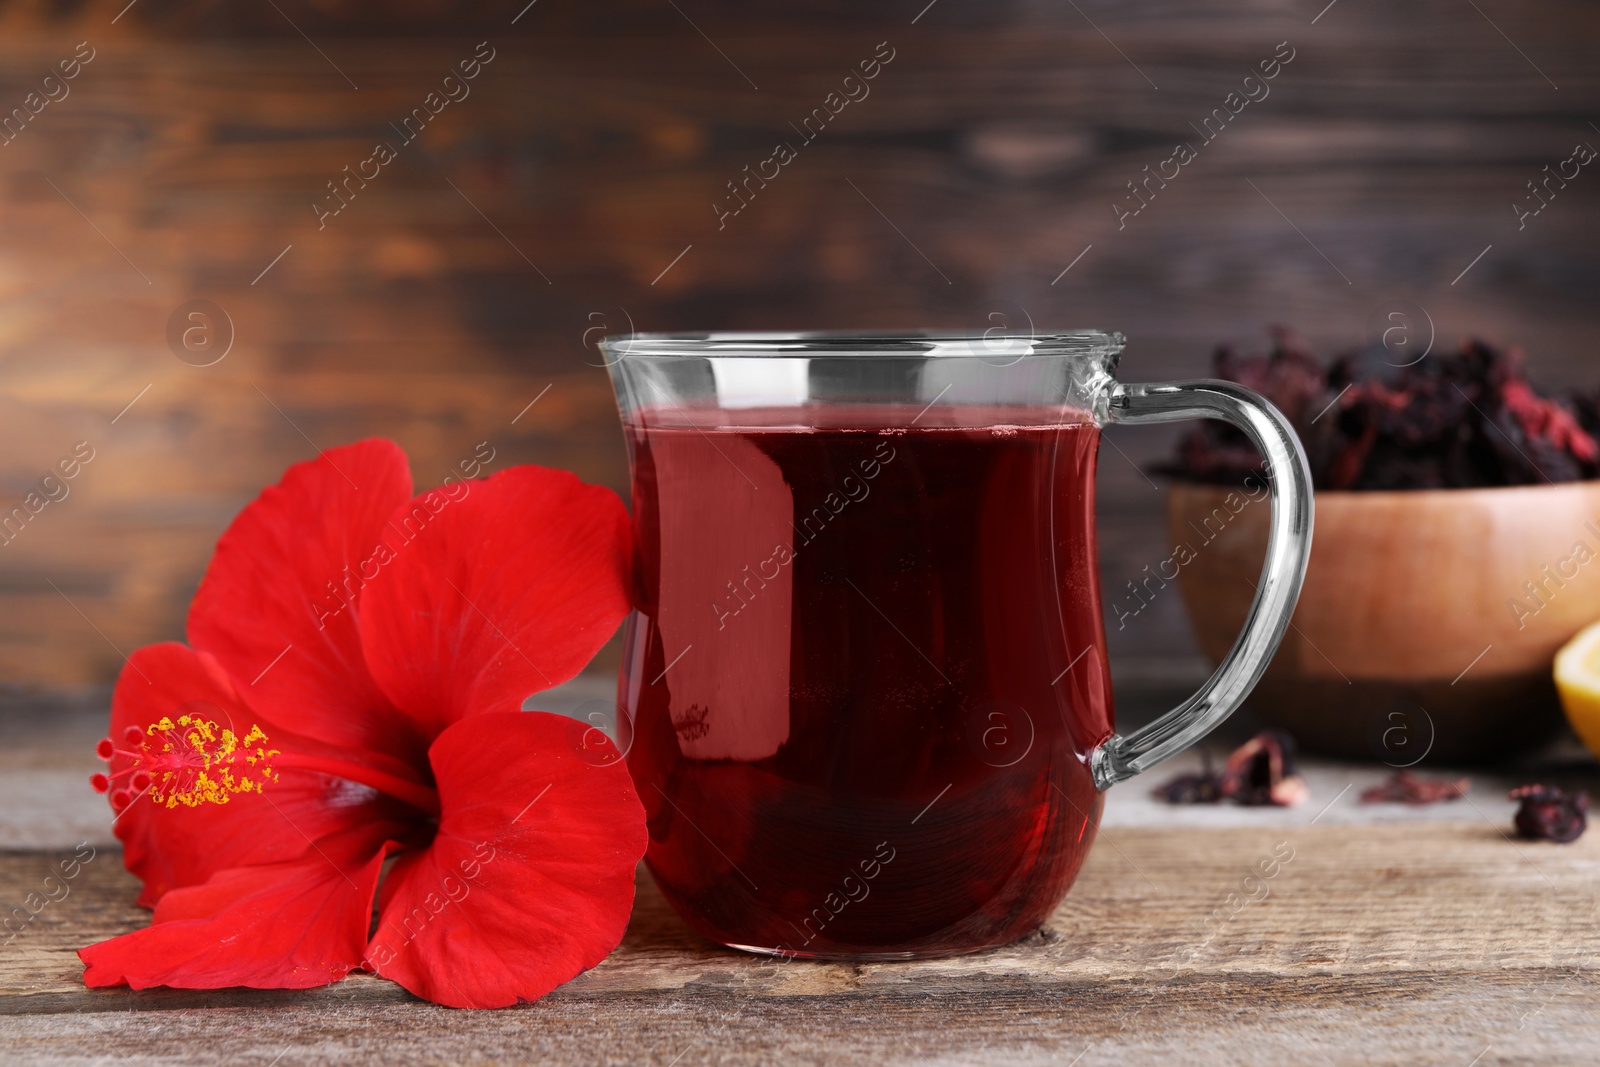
1578 682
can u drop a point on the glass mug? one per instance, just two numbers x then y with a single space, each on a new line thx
864 695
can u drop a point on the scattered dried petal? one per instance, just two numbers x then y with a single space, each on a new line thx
1202 788
1261 771
1549 813
1407 788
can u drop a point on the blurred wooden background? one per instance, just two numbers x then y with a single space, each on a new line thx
458 285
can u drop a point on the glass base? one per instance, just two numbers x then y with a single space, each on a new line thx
856 957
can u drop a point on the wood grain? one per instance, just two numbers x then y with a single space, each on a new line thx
1422 943
189 151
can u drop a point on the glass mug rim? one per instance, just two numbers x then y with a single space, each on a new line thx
1094 344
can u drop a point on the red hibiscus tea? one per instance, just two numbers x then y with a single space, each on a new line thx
867 671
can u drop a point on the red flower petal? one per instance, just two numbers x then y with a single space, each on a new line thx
505 591
182 846
290 925
530 879
278 604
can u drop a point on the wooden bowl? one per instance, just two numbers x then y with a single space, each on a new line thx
1429 619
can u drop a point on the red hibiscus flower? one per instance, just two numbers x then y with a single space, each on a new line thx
352 689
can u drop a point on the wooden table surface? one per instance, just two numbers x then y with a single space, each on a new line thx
1392 936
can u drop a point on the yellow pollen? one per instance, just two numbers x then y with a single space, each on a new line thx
193 761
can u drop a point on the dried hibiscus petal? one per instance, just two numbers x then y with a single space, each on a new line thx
1549 813
1260 771
1368 423
1201 788
1407 788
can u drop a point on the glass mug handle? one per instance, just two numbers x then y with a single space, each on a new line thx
1288 549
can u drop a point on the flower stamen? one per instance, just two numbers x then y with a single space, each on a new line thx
190 761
